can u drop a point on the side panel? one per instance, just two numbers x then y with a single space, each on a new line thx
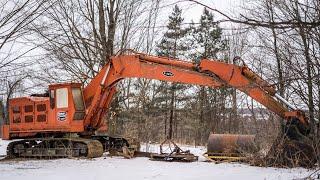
33 115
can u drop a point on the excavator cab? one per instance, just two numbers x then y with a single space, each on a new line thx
61 110
66 102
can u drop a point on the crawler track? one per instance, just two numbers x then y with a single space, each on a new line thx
54 148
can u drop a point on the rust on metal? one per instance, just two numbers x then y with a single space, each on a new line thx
230 143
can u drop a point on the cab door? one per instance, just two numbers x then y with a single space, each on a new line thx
62 105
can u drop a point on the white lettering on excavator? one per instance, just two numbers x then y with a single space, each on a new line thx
167 73
62 116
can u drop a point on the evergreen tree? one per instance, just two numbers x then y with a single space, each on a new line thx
173 45
207 43
207 37
173 42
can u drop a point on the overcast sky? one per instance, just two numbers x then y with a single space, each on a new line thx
194 11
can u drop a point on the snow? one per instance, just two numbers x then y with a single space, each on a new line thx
137 168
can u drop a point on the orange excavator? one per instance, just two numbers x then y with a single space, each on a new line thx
63 122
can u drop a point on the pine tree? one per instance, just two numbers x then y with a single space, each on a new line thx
173 45
208 43
207 37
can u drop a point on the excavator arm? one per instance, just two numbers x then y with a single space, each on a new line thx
245 80
98 94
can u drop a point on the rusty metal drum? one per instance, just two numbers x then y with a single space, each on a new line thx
230 143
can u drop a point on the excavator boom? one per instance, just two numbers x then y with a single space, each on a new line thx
214 74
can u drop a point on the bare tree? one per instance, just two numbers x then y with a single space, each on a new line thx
288 23
15 16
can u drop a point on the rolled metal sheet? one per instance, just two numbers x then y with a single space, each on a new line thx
231 143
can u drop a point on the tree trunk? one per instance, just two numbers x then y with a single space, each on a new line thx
171 110
102 31
276 52
166 116
111 28
303 34
201 118
279 66
234 110
2 117
309 78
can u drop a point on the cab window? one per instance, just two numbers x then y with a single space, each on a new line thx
77 99
62 97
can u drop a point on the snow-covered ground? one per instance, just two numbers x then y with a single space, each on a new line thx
137 168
